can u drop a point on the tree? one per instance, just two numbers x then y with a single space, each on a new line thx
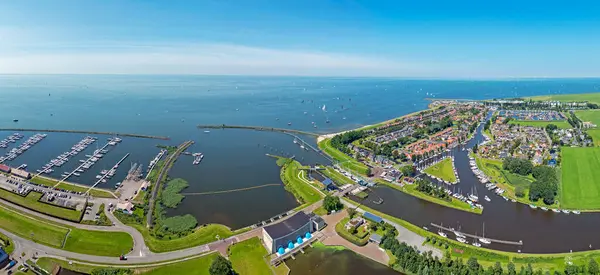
511 269
498 269
475 147
351 212
111 271
473 264
221 266
520 191
408 170
593 267
332 203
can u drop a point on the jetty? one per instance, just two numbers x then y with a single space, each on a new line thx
478 237
107 173
84 132
257 128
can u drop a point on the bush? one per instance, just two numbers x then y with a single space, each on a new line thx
520 191
179 224
170 197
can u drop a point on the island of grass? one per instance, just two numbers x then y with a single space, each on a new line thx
342 159
249 257
32 201
6 243
561 124
65 237
580 171
452 203
95 192
443 170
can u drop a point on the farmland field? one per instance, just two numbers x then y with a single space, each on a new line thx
580 190
591 97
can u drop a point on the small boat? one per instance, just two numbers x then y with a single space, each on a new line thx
566 211
476 244
441 233
555 210
459 235
532 206
487 198
544 208
289 123
76 174
462 240
207 131
483 239
576 212
513 200
15 120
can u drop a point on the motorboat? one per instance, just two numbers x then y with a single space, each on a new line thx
576 212
487 198
462 240
441 233
476 244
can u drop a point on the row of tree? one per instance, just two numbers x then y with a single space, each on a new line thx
425 186
411 261
341 141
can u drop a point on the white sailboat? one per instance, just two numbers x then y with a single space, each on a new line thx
473 196
324 108
483 239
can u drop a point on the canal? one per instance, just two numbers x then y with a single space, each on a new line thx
540 231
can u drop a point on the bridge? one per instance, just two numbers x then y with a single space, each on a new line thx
258 128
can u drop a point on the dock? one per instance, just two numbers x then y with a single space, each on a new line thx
74 170
257 128
106 174
477 237
154 162
84 132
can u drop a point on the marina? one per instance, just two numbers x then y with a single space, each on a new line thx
26 145
155 160
107 173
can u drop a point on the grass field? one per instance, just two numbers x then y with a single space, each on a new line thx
591 97
98 242
580 174
562 124
31 202
443 170
96 192
200 236
33 229
6 243
196 266
341 230
589 115
53 234
294 182
248 257
411 190
595 134
343 159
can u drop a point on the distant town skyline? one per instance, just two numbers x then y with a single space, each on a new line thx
434 39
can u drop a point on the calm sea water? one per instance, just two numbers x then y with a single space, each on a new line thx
173 105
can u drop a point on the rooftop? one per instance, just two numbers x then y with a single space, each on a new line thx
288 226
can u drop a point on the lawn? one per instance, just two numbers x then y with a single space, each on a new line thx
202 235
562 124
591 97
343 159
580 171
31 202
99 242
195 266
411 190
443 170
592 116
96 192
248 257
595 134
6 243
341 230
32 229
296 184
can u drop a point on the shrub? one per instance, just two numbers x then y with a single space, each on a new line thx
520 191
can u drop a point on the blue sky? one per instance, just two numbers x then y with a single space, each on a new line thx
438 39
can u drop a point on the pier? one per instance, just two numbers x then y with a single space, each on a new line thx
74 170
155 161
477 237
106 174
258 128
307 145
84 132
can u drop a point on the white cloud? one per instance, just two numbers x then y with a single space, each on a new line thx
131 58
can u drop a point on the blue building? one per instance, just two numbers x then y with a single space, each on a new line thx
3 258
329 184
372 217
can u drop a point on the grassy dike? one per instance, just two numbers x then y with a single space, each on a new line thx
64 237
411 190
295 183
32 202
343 159
95 192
